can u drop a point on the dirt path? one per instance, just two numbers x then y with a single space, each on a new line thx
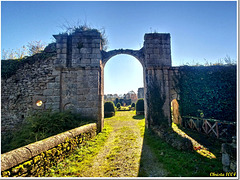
122 152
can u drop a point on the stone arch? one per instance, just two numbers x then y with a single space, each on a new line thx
138 54
81 74
75 76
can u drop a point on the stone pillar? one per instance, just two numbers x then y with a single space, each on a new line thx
61 46
79 66
157 53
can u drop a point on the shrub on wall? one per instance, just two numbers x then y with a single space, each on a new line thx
208 92
9 67
109 109
140 106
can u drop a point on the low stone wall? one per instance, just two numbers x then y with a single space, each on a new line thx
173 138
35 159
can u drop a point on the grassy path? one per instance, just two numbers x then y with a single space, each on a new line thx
125 149
116 152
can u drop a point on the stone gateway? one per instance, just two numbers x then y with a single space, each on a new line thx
72 78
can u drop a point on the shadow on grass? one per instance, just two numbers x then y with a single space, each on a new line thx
213 144
140 117
159 159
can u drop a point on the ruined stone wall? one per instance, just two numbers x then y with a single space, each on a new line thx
36 159
80 70
157 53
73 79
34 80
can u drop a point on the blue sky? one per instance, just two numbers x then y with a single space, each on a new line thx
200 30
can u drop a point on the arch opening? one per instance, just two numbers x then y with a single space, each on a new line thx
123 75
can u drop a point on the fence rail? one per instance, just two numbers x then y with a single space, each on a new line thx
220 129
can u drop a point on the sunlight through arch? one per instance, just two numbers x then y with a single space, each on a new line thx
122 73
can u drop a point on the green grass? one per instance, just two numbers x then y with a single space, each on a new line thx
81 158
113 153
181 163
121 137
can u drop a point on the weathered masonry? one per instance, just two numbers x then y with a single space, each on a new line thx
72 78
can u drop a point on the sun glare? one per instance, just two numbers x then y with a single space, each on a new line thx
196 146
39 103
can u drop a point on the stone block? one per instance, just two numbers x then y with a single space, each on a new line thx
89 104
57 79
96 50
233 166
149 50
85 61
93 91
53 85
58 46
51 99
156 51
93 84
93 97
81 104
48 92
61 56
95 61
81 98
64 51
225 159
77 56
83 91
85 50
54 106
96 41
75 51
56 92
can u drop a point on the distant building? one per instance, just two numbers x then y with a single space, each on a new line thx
140 93
110 97
124 100
133 96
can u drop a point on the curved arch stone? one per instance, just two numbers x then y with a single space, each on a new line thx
138 54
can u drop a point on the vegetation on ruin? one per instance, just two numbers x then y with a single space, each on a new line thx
115 153
40 125
226 61
75 27
208 92
9 67
14 59
33 47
